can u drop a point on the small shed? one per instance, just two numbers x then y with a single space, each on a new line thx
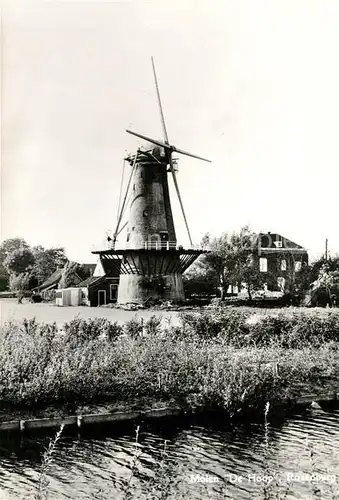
68 297
99 290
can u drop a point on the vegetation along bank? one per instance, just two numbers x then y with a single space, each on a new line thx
229 359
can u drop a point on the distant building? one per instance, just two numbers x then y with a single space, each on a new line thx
48 288
280 258
102 287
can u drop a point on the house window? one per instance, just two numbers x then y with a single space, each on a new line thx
297 265
283 266
281 283
263 264
113 292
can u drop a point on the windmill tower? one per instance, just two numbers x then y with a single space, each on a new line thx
151 263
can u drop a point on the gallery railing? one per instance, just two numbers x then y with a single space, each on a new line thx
150 245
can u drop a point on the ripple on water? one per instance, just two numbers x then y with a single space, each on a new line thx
100 463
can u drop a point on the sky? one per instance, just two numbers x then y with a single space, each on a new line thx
251 85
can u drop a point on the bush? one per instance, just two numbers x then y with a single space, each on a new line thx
36 298
241 328
90 361
134 328
153 325
78 330
210 324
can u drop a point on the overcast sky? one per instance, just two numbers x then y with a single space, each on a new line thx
252 85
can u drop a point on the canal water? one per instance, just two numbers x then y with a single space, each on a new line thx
295 457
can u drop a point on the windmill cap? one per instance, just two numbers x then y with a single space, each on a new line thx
156 150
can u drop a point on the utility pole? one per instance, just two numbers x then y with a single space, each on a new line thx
326 250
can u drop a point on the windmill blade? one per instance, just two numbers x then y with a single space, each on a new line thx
116 232
160 105
154 141
181 151
121 186
122 228
108 237
179 197
167 146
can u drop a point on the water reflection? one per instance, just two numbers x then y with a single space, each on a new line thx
191 458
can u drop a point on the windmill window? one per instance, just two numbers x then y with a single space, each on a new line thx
283 265
133 187
297 265
164 235
128 235
145 213
154 241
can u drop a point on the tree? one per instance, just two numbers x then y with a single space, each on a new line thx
8 246
19 261
198 281
82 271
229 259
329 280
46 262
67 273
218 261
4 278
19 282
317 276
248 273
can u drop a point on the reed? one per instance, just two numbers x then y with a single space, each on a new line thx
127 493
42 490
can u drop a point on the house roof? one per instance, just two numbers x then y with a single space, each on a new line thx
89 281
53 279
275 241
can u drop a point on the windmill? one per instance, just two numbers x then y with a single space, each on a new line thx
151 263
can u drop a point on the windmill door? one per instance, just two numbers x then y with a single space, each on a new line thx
101 297
164 239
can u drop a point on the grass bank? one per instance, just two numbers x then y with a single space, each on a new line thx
223 359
